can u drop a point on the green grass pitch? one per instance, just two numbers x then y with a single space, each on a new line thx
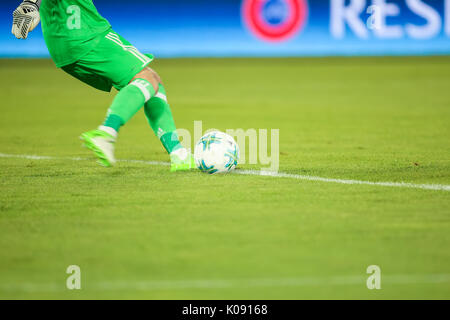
138 231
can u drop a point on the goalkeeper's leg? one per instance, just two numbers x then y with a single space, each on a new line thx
126 104
145 89
159 116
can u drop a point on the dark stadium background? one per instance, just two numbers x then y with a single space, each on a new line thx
174 28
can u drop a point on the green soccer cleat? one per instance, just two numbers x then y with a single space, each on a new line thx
102 143
177 164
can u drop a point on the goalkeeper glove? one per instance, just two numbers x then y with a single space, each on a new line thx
26 18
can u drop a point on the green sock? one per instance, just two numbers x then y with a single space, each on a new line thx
128 102
161 120
113 121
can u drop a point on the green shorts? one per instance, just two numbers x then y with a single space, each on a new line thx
112 63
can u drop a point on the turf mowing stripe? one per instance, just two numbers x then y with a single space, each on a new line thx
439 187
387 280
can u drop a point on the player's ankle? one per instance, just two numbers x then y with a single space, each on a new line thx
181 153
113 121
111 131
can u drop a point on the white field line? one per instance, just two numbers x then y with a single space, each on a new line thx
439 187
34 157
386 281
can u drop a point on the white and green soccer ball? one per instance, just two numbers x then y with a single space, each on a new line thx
216 152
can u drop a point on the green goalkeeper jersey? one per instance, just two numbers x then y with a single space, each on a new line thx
71 28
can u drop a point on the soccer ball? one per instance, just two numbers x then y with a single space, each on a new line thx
216 152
